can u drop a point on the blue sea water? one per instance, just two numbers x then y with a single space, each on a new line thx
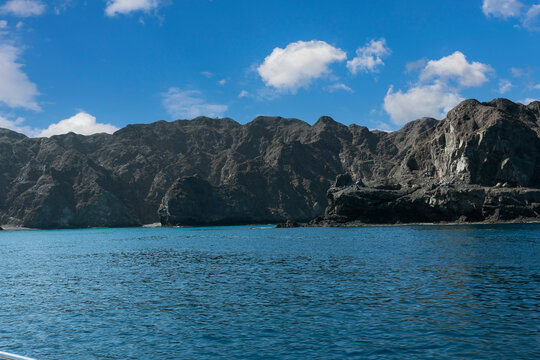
440 292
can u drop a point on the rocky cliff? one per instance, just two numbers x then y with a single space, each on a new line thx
480 164
217 171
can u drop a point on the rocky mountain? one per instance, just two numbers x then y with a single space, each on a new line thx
217 171
481 163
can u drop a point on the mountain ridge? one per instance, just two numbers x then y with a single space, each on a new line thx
271 169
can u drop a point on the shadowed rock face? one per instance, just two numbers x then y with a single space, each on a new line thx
268 170
216 171
481 163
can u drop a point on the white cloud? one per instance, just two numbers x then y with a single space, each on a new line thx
207 74
517 72
61 6
16 90
433 95
532 18
456 67
339 86
115 7
433 100
3 24
537 86
81 123
504 86
369 57
222 82
243 93
298 64
527 101
189 104
529 16
23 8
18 126
382 126
415 65
502 8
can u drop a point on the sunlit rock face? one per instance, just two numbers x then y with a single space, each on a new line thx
481 163
482 143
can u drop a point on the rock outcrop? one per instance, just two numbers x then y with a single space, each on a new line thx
194 201
480 164
217 171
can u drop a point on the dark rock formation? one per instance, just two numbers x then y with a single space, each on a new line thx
271 169
288 224
194 201
464 203
480 164
216 171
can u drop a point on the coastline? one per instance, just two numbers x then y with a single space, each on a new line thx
455 223
352 224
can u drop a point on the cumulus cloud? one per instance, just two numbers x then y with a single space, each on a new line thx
529 16
537 86
502 8
437 89
222 82
243 93
81 123
532 18
115 7
17 125
369 57
433 100
338 87
456 67
298 64
189 104
504 86
23 8
16 90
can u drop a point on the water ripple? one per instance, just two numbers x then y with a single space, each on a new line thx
468 292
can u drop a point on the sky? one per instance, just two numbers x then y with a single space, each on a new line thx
92 66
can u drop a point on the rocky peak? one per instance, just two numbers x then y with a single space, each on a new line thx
12 135
504 105
324 121
480 143
534 107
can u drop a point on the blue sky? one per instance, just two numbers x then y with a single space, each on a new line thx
93 66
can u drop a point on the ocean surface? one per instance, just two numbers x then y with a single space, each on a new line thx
440 292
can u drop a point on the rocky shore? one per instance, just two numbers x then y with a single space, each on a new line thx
479 164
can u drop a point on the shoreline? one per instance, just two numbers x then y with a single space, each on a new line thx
355 224
352 224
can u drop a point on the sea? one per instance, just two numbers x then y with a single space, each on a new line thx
255 292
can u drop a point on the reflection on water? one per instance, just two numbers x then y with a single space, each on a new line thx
392 292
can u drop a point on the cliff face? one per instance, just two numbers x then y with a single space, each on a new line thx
216 171
481 163
268 170
481 144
